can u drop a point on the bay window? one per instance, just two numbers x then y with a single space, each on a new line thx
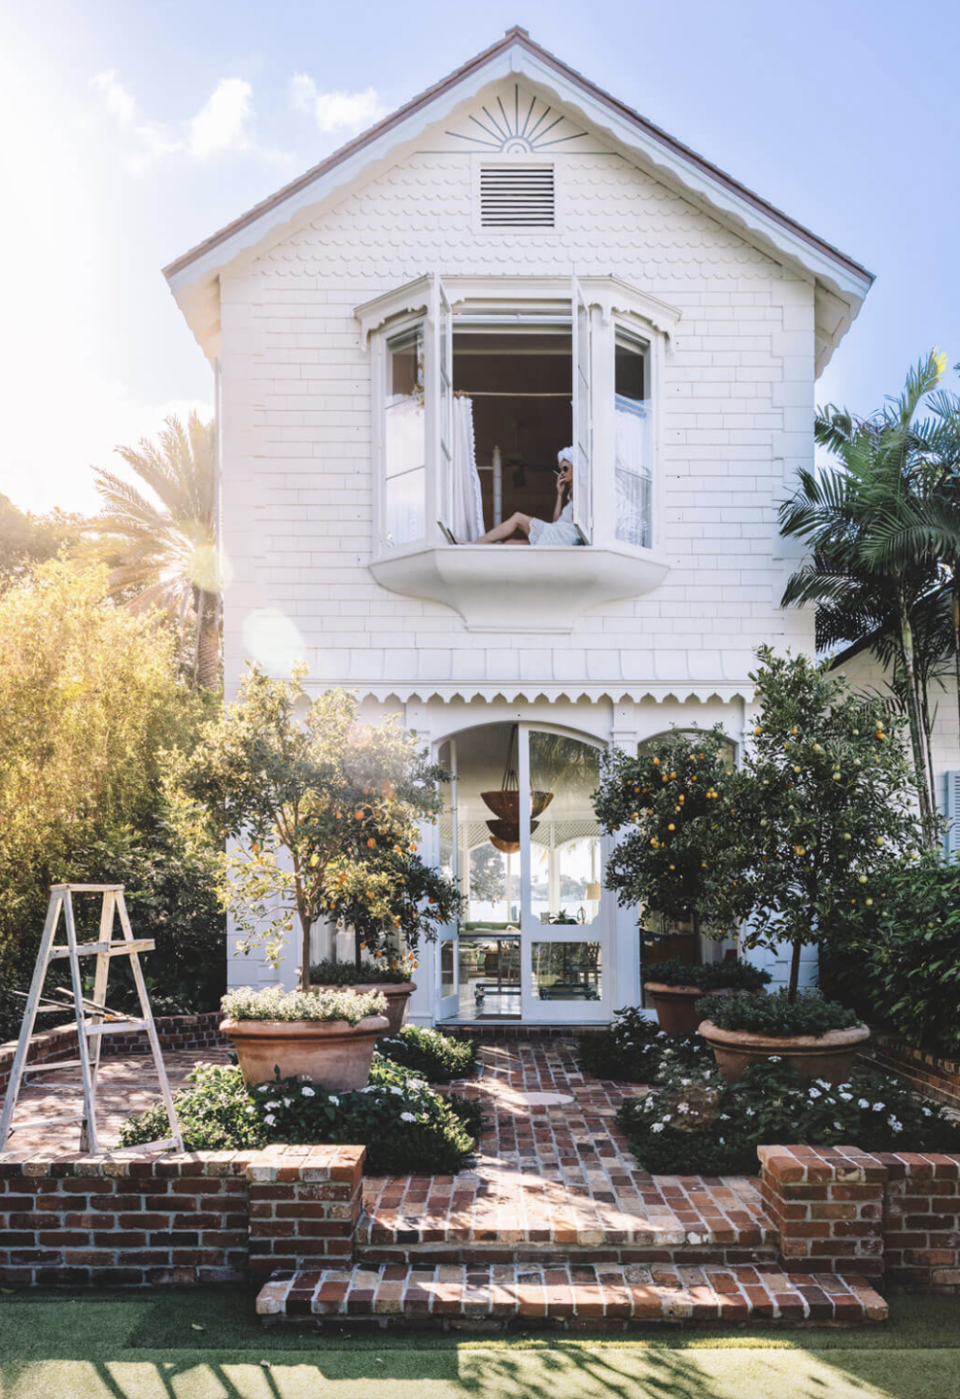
480 385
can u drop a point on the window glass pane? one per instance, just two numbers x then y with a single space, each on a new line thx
406 507
565 834
405 440
634 495
566 971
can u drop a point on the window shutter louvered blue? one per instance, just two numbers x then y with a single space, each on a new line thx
952 811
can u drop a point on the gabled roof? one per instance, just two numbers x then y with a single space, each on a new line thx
844 282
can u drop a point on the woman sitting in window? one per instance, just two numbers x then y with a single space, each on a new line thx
527 529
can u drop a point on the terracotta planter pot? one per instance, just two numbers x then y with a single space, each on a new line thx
676 1005
829 1056
331 1053
398 994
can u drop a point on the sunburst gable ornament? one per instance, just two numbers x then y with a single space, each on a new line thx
521 127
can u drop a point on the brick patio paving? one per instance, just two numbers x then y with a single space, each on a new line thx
554 1172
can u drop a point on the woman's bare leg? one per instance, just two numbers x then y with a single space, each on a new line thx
517 523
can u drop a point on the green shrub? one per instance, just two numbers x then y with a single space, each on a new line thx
710 976
632 1049
330 973
760 1014
903 973
439 1058
406 1127
694 1121
273 1003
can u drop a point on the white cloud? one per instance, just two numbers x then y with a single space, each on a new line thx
335 111
220 125
118 100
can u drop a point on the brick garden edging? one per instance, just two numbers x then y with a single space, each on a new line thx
176 1032
893 1217
199 1217
930 1074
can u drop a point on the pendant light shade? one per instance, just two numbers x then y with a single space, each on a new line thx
505 803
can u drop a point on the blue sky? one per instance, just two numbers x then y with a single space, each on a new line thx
134 128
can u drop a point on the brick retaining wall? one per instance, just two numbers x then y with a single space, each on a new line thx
177 1032
893 1217
198 1217
934 1076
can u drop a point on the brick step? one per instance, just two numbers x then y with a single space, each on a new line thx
477 1236
572 1296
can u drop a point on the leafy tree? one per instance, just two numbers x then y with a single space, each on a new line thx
819 809
322 815
89 696
27 539
162 551
865 588
666 798
488 882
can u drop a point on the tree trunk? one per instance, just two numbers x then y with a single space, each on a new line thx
794 971
304 953
955 618
915 717
207 669
356 948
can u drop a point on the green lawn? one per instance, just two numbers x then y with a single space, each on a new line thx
208 1345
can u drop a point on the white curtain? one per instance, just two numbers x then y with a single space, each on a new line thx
466 503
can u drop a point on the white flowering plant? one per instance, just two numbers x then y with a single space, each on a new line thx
632 1048
274 1003
406 1126
693 1120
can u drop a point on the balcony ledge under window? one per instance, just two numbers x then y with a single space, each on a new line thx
517 588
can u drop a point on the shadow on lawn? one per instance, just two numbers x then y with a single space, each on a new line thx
556 1373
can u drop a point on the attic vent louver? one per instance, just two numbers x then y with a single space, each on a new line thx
517 196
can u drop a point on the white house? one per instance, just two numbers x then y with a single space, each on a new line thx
405 338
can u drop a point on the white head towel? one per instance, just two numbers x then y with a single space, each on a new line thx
565 455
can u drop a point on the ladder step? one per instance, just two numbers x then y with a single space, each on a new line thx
52 1068
86 888
115 1027
111 949
45 1121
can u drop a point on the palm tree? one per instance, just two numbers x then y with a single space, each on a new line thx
932 524
163 552
865 593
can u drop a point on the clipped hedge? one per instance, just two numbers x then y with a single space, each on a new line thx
438 1058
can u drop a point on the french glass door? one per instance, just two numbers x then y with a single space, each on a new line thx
520 833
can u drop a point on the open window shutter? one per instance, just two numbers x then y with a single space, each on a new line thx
952 811
443 387
582 419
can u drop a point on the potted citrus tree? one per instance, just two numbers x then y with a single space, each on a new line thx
801 835
661 804
319 817
391 904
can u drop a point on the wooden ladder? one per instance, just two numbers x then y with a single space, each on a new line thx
94 1017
